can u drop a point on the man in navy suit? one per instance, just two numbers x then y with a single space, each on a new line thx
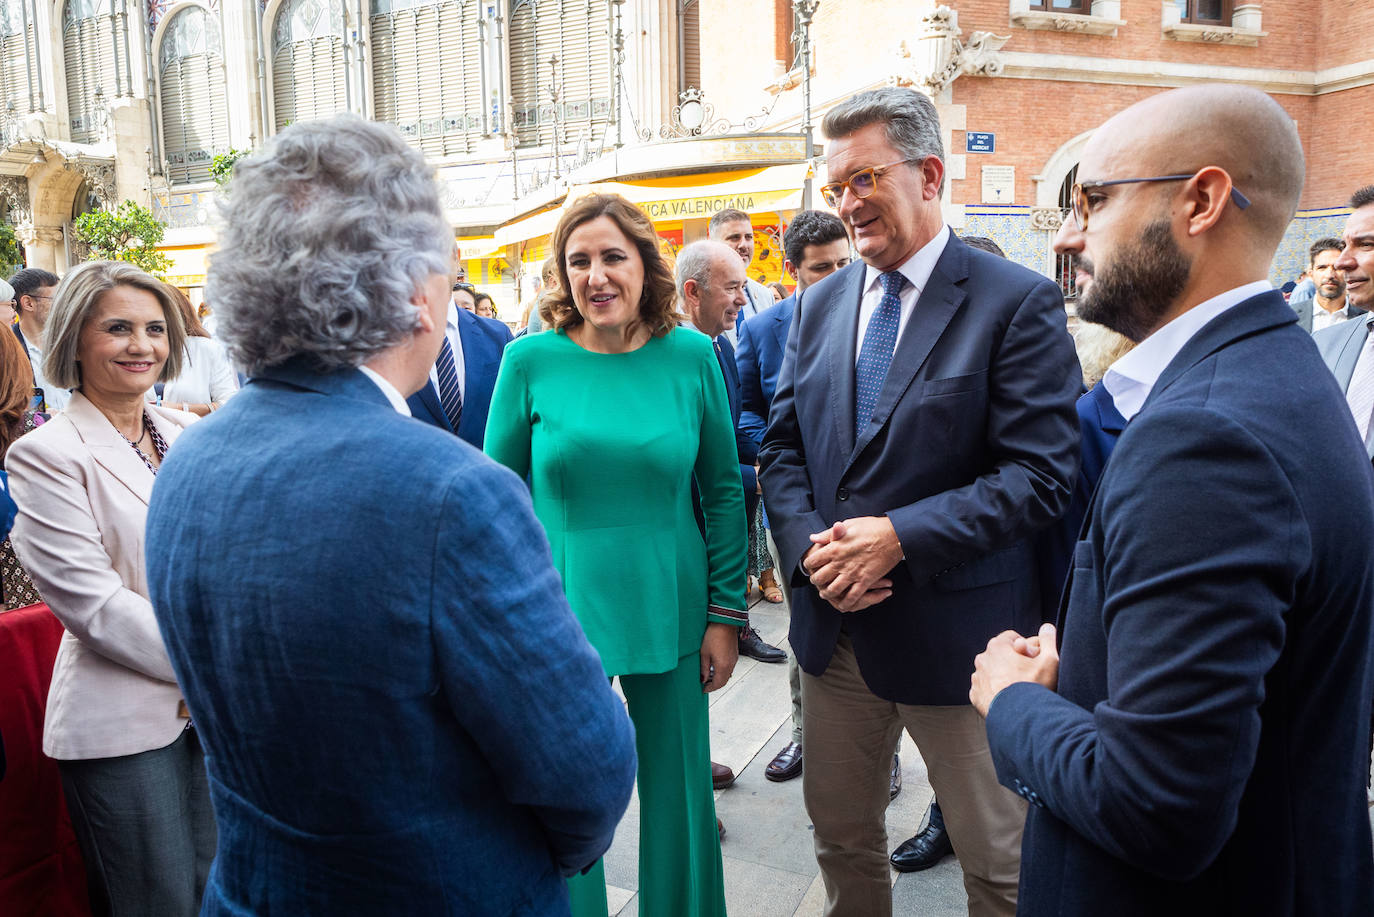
922 433
1202 746
814 247
457 396
711 288
340 609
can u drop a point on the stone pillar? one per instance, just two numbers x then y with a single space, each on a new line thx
43 247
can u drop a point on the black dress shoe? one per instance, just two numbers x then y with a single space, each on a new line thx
895 785
721 776
925 849
786 764
751 644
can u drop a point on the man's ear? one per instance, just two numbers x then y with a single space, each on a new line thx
424 321
1209 197
790 268
691 290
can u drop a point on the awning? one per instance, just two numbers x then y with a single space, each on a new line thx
188 266
684 197
470 247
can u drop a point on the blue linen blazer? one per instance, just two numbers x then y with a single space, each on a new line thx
1207 749
972 451
484 340
398 708
762 343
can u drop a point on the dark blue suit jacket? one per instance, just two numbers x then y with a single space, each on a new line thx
484 340
1207 750
337 586
762 343
973 449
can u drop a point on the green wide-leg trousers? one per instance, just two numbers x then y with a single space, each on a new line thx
680 873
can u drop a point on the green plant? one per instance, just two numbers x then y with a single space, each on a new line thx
222 166
130 233
11 252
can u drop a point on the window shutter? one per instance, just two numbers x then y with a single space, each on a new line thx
191 80
577 32
88 46
691 45
308 62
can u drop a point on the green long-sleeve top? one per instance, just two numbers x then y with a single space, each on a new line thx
610 444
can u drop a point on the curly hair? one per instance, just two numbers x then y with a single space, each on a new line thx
329 231
657 304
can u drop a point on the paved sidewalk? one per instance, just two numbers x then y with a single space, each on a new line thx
770 865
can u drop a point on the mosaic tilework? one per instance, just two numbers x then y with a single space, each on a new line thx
1009 227
1306 228
183 210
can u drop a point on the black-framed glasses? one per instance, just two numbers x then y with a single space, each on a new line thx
861 184
1082 207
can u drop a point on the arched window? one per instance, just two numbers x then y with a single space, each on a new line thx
1064 264
308 76
96 50
195 110
427 72
560 46
19 74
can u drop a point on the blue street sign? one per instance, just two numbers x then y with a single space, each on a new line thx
981 143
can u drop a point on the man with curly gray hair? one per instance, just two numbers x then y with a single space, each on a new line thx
337 583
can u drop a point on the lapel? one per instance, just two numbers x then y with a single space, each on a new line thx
1344 366
479 357
725 356
1251 316
1305 315
938 303
840 326
782 323
112 451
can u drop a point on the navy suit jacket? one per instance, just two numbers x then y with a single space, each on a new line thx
762 344
1207 749
973 449
337 586
484 340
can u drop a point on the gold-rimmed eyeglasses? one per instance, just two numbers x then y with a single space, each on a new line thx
861 184
1082 204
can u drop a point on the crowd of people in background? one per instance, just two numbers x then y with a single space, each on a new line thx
1116 589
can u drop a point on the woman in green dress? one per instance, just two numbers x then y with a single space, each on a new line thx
611 416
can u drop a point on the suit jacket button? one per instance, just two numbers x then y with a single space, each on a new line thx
842 494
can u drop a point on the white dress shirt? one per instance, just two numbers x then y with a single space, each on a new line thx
1323 319
1131 378
388 390
917 270
456 342
206 375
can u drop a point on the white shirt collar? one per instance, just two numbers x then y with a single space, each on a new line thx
452 326
918 268
1131 378
388 390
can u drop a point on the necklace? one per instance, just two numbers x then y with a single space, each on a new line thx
142 432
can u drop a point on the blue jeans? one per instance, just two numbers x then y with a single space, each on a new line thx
145 828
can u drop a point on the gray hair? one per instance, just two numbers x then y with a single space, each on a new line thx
74 301
912 124
695 262
329 232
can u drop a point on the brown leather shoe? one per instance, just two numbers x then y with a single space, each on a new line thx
786 764
721 776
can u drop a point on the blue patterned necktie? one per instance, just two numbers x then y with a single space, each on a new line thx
450 394
880 339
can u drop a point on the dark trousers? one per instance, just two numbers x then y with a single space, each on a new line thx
145 828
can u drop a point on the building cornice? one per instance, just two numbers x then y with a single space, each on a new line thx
1081 69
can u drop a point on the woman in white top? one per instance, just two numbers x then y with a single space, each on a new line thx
207 378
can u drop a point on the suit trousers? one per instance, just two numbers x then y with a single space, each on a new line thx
793 670
145 828
850 735
680 868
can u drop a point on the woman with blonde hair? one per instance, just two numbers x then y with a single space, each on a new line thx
611 415
132 767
